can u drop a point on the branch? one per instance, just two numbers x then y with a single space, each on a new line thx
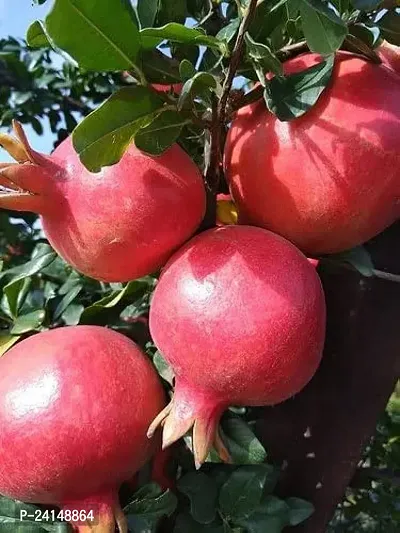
219 116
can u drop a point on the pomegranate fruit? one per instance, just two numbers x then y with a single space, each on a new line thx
75 404
390 55
239 313
117 225
328 180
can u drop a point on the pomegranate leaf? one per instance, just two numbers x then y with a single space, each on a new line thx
292 96
178 33
147 12
323 29
163 368
272 515
300 510
149 505
161 133
366 5
103 136
67 300
109 43
241 493
159 68
28 322
202 492
389 25
36 35
200 84
6 342
242 444
262 56
185 523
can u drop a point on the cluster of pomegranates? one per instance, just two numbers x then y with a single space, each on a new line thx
238 311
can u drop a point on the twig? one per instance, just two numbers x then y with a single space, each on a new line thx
219 116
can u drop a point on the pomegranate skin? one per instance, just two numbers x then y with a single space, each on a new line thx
116 225
75 404
247 312
328 180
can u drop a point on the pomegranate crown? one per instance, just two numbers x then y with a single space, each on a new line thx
24 184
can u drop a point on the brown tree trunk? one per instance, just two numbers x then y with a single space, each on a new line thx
321 433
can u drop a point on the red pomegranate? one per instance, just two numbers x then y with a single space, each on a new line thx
75 404
117 225
239 313
328 180
390 55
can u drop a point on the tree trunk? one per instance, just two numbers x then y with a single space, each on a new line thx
321 433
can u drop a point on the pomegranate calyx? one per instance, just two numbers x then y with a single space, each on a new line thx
192 408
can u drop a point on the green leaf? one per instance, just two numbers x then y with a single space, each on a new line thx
36 36
202 492
227 33
149 505
186 524
300 510
323 29
16 292
28 322
261 523
67 300
263 56
168 11
241 493
161 133
359 258
159 68
42 257
367 34
94 37
186 70
179 33
104 135
271 515
241 442
72 315
10 522
200 83
294 95
6 342
116 297
163 368
147 12
366 5
389 25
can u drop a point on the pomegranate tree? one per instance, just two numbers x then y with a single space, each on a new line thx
239 313
117 225
75 404
328 180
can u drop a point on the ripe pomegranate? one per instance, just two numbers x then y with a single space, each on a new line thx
390 55
239 313
117 225
75 404
328 180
